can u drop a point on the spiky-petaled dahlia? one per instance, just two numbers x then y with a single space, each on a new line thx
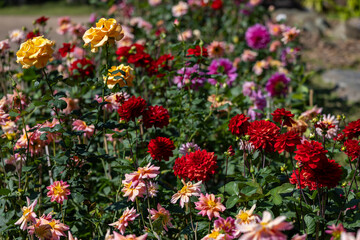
280 115
239 124
186 192
352 130
58 191
287 142
209 206
128 216
29 214
162 215
257 36
328 126
263 135
156 116
352 148
199 165
161 148
132 108
188 148
311 155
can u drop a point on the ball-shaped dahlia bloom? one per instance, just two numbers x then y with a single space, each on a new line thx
239 124
263 135
156 116
132 108
199 165
257 36
277 85
161 148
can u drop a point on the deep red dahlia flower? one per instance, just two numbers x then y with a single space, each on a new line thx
352 148
287 142
41 20
327 176
32 34
263 135
82 68
161 62
132 108
217 4
199 165
135 54
239 124
67 48
311 155
280 115
352 130
156 116
161 148
197 51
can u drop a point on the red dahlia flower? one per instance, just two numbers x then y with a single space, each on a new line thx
327 176
352 148
67 48
217 4
156 116
311 155
197 51
161 148
352 130
135 54
263 135
31 35
199 165
287 142
280 115
132 108
239 124
82 68
41 20
162 62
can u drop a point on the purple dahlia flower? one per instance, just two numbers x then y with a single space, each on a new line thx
225 67
277 85
257 36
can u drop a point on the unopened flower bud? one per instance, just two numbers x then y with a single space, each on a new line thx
247 137
176 22
312 136
283 168
343 149
338 117
315 120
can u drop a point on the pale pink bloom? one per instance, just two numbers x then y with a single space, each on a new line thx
152 189
58 191
226 226
274 46
299 237
9 127
4 45
216 49
109 136
117 236
255 2
72 104
248 56
128 216
154 2
41 229
335 231
148 172
259 67
17 36
246 145
275 29
290 35
114 100
247 216
79 125
133 189
128 37
50 135
350 236
180 9
63 20
70 236
140 23
310 114
92 18
209 205
78 53
184 36
77 30
198 3
162 215
330 124
64 28
28 214
186 192
4 117
16 100
268 228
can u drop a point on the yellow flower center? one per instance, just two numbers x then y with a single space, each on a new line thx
58 190
52 224
26 211
214 234
243 216
184 190
211 203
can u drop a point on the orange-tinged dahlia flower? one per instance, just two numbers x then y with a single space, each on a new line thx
58 191
209 205
28 214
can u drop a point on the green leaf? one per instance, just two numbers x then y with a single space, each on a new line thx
310 224
231 201
4 191
232 188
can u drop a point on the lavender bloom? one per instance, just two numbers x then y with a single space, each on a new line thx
257 36
225 67
249 88
259 104
185 77
289 55
277 85
188 148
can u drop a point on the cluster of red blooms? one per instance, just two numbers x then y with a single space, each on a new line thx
199 165
82 68
32 34
66 48
156 116
317 171
351 145
41 20
135 54
197 51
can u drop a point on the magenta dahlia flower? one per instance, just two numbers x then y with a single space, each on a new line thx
225 67
277 85
257 36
